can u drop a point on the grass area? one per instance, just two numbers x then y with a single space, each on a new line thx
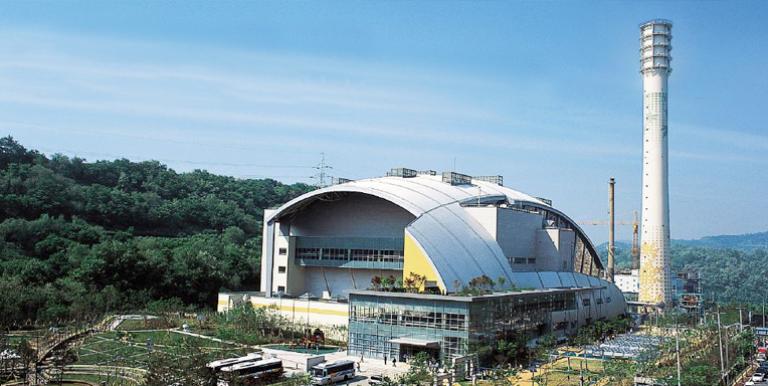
15 337
96 379
149 324
131 349
578 363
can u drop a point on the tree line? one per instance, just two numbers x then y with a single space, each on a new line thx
80 238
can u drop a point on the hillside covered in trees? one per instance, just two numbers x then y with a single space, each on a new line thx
79 238
734 269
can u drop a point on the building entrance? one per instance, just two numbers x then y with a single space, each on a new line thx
408 352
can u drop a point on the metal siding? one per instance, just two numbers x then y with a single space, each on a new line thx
567 279
550 279
526 280
581 280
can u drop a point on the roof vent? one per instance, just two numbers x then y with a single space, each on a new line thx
340 180
402 172
498 180
454 178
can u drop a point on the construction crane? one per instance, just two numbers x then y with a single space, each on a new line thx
635 251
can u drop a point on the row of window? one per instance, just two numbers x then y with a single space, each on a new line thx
523 260
408 318
374 255
586 302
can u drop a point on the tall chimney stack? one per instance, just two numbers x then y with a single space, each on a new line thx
611 229
655 280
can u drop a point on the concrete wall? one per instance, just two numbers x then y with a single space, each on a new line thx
516 235
280 281
267 242
486 216
358 215
554 249
331 317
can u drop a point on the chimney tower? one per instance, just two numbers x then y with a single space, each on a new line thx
655 279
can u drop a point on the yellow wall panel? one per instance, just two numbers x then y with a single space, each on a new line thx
416 260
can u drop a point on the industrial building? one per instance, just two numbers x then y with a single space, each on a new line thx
395 256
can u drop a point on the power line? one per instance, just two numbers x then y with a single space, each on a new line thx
322 173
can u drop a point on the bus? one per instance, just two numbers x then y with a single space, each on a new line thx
215 366
252 372
328 373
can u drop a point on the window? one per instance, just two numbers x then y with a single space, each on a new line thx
586 302
608 299
281 269
518 260
281 288
599 300
282 251
531 260
308 253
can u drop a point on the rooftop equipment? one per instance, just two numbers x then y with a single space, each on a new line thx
454 178
402 172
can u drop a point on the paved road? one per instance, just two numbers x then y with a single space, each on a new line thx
368 367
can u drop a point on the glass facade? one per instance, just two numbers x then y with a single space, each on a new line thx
350 252
448 325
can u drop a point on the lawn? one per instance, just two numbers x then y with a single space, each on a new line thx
130 349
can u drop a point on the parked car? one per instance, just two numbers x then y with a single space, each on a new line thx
758 377
376 380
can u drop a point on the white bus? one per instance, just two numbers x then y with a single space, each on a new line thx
328 373
253 372
215 366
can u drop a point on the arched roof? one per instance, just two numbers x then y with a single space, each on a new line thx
459 247
415 194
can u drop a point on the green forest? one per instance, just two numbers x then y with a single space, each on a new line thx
735 273
78 238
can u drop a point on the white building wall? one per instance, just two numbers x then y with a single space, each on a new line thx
266 253
628 282
486 216
554 249
516 234
281 243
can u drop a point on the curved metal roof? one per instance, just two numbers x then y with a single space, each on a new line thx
458 245
415 194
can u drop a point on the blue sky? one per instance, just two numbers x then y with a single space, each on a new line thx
547 94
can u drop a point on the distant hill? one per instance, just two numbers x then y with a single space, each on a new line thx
746 242
741 242
733 268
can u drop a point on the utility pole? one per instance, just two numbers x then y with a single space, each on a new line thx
611 229
741 321
720 339
677 347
